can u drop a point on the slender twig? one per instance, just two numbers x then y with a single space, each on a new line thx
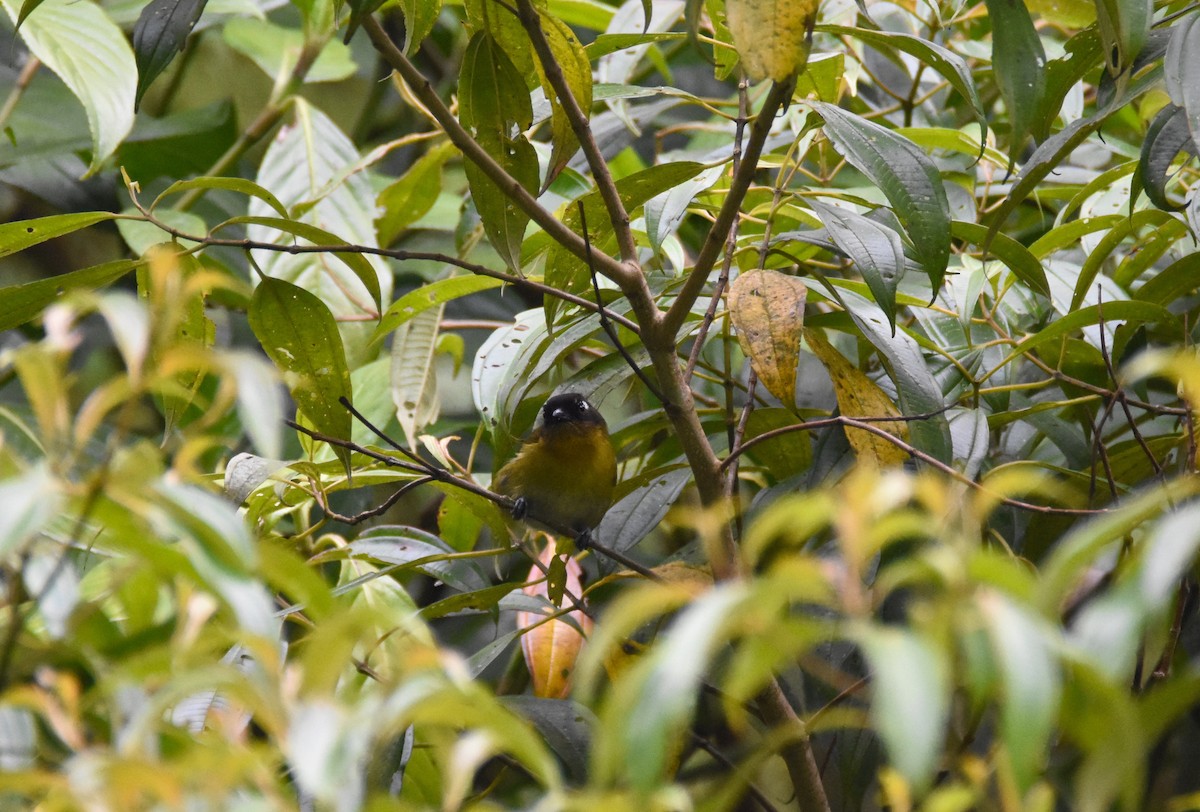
867 424
32 63
398 254
1119 392
605 184
1163 669
471 149
730 244
447 478
604 322
707 746
263 123
781 92
383 507
731 470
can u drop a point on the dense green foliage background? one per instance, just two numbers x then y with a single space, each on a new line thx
907 511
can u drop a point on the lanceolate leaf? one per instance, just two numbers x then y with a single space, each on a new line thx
1166 137
19 235
907 177
1016 256
414 387
918 390
298 333
160 33
1124 26
911 699
89 53
419 19
494 106
1183 70
859 396
432 295
875 249
577 71
767 308
952 67
1019 64
23 303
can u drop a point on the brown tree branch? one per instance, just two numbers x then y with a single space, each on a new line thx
605 185
470 148
780 94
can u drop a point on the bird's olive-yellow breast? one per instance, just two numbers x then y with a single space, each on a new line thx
566 469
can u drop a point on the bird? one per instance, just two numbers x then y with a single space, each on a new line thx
565 472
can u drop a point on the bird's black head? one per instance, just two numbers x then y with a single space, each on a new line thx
570 407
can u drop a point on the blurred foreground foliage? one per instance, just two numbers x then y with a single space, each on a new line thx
907 514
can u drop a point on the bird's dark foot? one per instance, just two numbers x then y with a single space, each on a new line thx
520 508
583 539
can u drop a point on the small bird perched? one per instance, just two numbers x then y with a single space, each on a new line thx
565 472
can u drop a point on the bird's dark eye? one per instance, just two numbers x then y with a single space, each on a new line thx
583 405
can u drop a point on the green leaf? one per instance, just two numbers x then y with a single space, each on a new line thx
640 510
875 250
1130 311
298 333
89 53
1030 680
1016 257
239 185
24 303
419 19
433 294
1183 72
1019 65
1108 243
1124 27
493 104
30 501
910 703
275 50
577 71
1166 137
907 177
1082 55
413 194
305 167
918 390
948 64
19 235
161 32
414 385
1180 277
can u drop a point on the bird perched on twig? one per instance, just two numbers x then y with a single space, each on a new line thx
565 472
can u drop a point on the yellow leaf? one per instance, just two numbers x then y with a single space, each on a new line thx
767 308
772 37
859 396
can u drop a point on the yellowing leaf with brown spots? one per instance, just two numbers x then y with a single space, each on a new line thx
859 396
772 37
767 308
551 649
